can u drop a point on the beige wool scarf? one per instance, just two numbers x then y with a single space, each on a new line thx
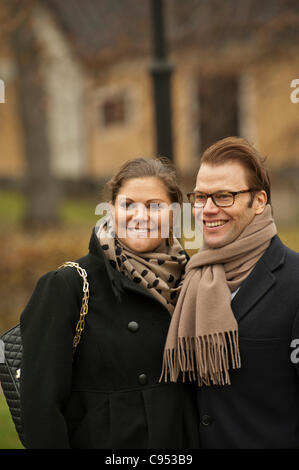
160 271
203 335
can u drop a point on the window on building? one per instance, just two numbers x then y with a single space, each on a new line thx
218 109
113 111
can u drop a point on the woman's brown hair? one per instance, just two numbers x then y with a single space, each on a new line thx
147 167
240 150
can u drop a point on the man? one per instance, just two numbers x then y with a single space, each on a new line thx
238 311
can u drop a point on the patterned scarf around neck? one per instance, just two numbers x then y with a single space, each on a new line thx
161 271
203 335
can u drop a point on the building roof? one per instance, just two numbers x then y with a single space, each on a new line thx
106 30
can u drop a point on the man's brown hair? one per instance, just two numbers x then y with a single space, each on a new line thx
236 149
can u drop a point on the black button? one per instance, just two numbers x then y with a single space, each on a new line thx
142 379
206 420
133 326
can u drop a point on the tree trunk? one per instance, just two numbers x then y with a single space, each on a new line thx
41 189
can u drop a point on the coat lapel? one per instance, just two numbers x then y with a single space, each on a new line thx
260 280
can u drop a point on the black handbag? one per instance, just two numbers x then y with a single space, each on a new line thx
11 350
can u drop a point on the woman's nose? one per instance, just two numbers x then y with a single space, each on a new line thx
140 213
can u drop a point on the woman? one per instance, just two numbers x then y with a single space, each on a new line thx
109 395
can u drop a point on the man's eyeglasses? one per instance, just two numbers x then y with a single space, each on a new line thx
220 198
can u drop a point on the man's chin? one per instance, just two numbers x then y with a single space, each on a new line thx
212 241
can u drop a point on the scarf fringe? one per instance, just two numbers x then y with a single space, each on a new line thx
204 358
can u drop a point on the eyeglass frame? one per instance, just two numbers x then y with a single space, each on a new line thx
233 193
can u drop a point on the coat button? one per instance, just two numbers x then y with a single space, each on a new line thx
142 379
206 420
133 326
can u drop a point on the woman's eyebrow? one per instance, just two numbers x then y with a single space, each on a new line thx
147 201
157 199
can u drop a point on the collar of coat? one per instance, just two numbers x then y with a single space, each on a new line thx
260 280
115 280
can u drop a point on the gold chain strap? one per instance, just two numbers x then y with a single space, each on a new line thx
84 308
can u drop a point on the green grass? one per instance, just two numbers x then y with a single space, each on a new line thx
75 211
12 206
8 434
72 210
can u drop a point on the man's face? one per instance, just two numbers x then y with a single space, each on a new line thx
222 225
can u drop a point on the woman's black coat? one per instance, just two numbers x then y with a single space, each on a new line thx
109 396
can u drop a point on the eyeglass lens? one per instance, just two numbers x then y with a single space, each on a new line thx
220 199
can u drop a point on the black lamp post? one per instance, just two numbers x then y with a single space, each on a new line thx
161 73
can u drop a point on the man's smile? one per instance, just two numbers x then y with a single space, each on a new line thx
214 224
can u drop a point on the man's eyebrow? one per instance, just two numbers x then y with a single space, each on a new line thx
217 191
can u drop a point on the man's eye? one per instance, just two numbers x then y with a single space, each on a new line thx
200 197
223 196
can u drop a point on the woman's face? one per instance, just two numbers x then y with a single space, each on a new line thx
142 213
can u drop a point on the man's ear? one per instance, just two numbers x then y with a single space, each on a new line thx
260 201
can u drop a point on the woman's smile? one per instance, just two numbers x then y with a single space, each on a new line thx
142 211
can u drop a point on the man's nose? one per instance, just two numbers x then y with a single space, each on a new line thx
210 207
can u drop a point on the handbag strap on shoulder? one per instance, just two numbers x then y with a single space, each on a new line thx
84 307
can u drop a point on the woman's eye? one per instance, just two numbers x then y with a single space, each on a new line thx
155 206
127 205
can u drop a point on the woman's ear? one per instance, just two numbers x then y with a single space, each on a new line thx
111 209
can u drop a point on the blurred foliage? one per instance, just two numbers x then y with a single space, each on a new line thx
290 236
26 256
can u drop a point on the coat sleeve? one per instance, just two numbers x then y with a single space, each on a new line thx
47 328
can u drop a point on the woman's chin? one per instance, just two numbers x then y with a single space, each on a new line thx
141 245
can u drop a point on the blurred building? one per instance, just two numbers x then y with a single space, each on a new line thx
233 65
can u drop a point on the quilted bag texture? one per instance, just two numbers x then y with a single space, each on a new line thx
11 350
10 368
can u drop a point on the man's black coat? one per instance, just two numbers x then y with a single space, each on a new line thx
260 409
111 396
